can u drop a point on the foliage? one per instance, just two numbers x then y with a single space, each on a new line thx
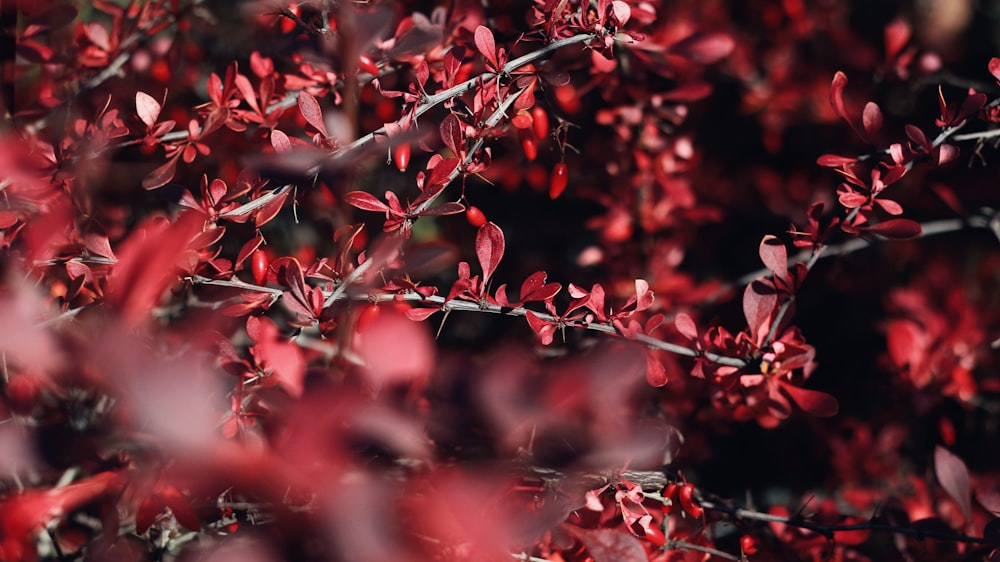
243 319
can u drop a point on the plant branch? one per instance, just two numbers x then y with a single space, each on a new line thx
684 545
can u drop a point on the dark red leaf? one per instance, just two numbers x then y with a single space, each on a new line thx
813 402
162 175
444 209
489 248
452 135
897 229
365 201
610 545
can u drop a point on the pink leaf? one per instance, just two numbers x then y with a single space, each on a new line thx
412 355
946 153
489 248
99 245
837 95
954 478
312 112
872 119
813 402
280 142
147 108
486 46
686 326
775 256
994 67
705 48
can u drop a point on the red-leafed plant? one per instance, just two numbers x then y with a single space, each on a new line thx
241 319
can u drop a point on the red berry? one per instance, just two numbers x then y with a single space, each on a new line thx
22 393
367 317
748 544
366 64
686 497
540 122
529 145
259 263
475 217
558 180
401 156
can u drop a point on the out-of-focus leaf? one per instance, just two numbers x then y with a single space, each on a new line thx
954 478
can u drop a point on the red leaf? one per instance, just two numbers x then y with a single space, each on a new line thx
148 262
610 545
282 358
270 209
890 206
418 314
897 229
486 46
994 67
366 202
312 112
954 478
489 248
813 402
757 309
656 373
705 48
147 108
896 35
99 245
834 161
